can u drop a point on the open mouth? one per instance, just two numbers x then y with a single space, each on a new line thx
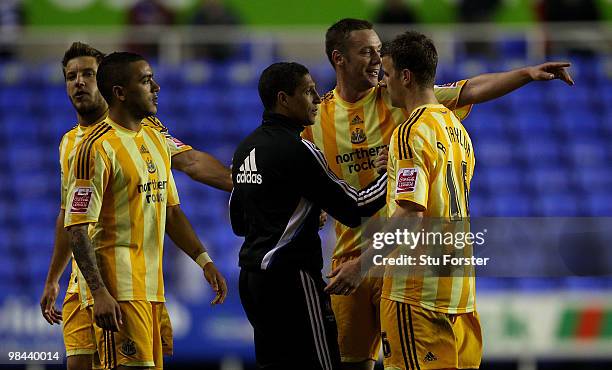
372 73
80 94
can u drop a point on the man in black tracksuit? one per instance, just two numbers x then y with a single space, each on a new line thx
281 183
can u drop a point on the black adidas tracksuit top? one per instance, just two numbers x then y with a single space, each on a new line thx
281 183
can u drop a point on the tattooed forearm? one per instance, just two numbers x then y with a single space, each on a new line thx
85 256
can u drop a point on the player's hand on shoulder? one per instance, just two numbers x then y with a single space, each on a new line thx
381 161
216 281
47 304
345 279
106 310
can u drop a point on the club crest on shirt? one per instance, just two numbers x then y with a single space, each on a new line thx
81 199
358 136
151 166
128 347
406 180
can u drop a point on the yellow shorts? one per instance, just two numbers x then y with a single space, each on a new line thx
77 327
417 338
358 320
138 341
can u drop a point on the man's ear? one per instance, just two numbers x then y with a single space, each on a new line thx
406 77
338 58
119 92
282 99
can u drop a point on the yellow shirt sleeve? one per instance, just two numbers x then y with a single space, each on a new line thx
173 197
413 170
176 146
86 187
448 95
62 176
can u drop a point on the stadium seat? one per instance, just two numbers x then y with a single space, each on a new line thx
503 179
494 152
594 179
560 204
587 152
511 205
533 121
545 177
599 204
540 150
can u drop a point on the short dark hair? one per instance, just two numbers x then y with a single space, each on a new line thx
79 49
339 32
284 76
113 71
415 52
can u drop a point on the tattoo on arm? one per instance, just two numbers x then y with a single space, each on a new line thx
85 257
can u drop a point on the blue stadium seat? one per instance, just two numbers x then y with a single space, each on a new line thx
243 75
478 202
585 283
563 96
530 284
599 204
542 150
594 179
9 271
561 204
16 98
19 126
526 97
494 283
579 123
548 177
33 212
32 158
204 100
533 122
511 205
481 126
35 184
53 98
589 152
503 180
494 152
196 73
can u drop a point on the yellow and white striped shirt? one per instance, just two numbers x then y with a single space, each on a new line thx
68 143
350 136
120 183
431 163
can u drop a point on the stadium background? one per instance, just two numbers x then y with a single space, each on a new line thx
542 151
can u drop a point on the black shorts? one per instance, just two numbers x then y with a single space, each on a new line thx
292 319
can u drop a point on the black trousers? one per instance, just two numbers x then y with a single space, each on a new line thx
292 319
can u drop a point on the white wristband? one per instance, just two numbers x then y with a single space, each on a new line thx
203 259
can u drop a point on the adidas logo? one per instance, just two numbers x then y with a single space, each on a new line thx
143 149
357 120
248 171
430 357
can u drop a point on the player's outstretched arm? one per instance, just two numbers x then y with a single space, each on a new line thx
490 86
182 234
203 167
107 312
59 261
